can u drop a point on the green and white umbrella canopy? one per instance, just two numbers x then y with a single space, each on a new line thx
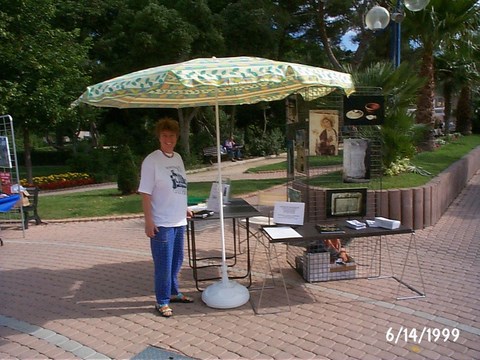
215 81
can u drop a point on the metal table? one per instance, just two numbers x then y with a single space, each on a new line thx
310 235
235 210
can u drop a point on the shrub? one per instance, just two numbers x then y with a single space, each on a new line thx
127 178
100 163
59 181
271 143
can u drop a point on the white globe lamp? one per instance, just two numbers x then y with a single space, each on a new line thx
416 5
377 18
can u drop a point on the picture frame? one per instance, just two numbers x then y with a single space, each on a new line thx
364 110
5 159
294 194
323 132
350 202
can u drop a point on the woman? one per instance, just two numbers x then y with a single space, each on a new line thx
328 138
163 187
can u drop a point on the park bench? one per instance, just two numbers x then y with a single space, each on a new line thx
30 211
210 154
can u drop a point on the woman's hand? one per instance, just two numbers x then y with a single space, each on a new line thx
150 229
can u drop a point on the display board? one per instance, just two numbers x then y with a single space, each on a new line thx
9 172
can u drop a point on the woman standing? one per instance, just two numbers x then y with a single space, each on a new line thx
163 186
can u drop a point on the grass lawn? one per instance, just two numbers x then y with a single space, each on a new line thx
109 202
433 162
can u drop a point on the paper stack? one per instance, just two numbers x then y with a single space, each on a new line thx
355 224
387 223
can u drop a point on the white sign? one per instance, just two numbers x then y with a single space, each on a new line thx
281 232
213 202
289 213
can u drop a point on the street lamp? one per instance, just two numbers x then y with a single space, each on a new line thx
378 18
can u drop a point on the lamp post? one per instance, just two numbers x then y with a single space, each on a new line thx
378 18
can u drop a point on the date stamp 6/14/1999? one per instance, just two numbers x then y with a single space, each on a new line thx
417 336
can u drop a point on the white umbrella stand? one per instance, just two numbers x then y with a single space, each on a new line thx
225 294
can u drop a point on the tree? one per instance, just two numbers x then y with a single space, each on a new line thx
248 28
442 22
399 87
128 178
41 68
458 73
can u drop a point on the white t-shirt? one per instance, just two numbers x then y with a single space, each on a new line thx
165 180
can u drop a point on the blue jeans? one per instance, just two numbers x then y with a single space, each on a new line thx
234 153
167 253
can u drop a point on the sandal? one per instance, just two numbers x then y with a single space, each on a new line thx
180 298
342 254
164 310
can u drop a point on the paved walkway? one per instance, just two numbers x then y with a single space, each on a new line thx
83 290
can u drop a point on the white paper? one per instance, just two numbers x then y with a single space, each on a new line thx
282 232
213 202
288 213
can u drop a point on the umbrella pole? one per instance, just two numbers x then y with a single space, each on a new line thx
220 196
226 293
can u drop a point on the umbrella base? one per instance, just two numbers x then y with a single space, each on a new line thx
225 295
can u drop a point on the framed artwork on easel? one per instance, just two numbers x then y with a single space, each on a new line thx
5 160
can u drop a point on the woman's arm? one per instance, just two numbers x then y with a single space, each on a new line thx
150 228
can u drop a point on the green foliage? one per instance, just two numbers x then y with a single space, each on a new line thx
99 163
263 144
456 147
127 178
41 67
399 87
45 157
404 165
59 181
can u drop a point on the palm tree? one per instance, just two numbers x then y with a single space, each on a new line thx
458 72
399 87
442 22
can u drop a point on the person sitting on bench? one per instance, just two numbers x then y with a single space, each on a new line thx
233 149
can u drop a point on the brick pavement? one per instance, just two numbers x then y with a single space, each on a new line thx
83 290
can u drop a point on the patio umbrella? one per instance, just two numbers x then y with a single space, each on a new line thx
215 82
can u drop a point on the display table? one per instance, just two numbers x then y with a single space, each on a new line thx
6 204
236 210
308 236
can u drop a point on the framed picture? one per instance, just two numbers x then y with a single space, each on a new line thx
294 195
346 202
5 160
323 134
364 110
356 160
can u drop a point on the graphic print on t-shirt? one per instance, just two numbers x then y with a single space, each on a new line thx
178 181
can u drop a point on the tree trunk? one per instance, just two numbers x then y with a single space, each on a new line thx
233 120
94 134
185 119
27 148
424 114
324 37
464 111
447 95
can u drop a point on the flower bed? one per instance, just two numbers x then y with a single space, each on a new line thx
59 181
